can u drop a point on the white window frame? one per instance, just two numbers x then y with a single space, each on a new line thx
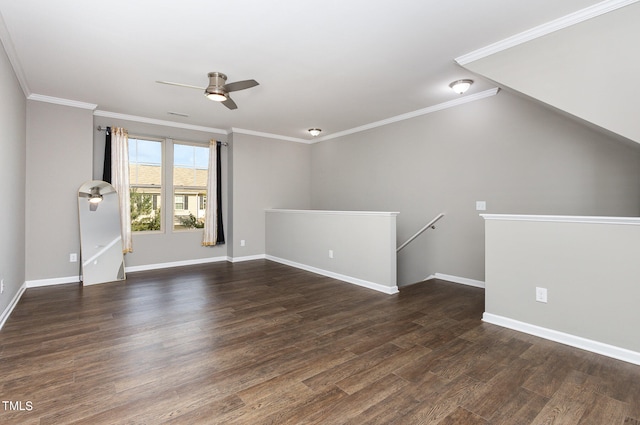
197 202
163 159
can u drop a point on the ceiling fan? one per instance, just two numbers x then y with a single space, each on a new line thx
218 89
95 195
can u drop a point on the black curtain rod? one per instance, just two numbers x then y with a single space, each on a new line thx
101 128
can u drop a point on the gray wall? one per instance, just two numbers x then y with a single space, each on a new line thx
590 271
587 70
164 247
359 247
59 154
266 173
12 181
514 154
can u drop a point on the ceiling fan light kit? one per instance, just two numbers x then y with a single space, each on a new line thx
95 197
216 95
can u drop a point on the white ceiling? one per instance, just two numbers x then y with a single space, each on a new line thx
332 64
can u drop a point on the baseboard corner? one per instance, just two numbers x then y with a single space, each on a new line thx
457 279
12 305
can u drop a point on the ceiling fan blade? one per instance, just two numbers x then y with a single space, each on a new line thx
181 85
229 103
240 85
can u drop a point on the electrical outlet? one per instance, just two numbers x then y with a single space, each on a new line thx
73 257
481 205
541 295
1 286
331 253
242 242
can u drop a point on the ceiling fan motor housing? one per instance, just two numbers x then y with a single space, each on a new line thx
217 80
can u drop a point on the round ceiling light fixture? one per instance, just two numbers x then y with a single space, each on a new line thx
314 131
461 86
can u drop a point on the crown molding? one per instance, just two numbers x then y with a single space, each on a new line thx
409 115
61 101
135 118
544 29
269 135
5 39
145 120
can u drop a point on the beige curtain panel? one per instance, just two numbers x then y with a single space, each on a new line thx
120 181
211 208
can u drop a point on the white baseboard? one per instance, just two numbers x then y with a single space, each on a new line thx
174 264
564 338
457 279
130 269
349 279
53 281
247 258
14 301
156 266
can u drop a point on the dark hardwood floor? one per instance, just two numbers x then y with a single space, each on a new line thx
262 343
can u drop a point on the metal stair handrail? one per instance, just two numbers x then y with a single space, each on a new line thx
419 232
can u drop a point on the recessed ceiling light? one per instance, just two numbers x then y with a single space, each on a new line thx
461 86
314 131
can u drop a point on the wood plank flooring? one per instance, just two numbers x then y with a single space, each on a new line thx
262 343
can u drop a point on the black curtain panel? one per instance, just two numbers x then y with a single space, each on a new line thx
106 169
220 232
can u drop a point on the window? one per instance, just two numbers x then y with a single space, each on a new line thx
190 171
145 183
182 202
